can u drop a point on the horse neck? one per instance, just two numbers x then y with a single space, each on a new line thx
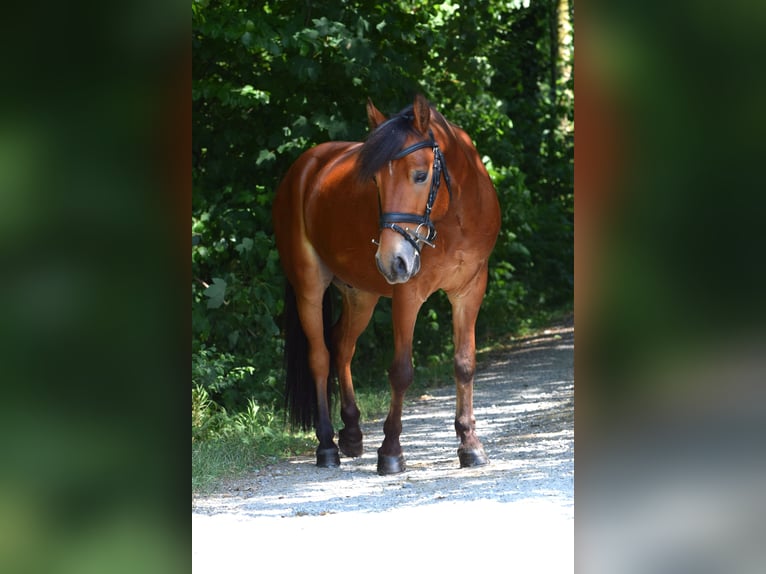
470 180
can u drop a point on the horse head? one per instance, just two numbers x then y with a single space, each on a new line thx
403 158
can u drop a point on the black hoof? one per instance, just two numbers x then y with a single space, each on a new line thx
472 457
390 464
350 446
328 457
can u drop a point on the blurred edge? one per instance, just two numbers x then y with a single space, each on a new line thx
94 204
670 304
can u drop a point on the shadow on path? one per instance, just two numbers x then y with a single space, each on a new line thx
524 407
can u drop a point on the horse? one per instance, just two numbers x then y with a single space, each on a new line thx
407 212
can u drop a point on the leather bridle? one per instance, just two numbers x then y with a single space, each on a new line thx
392 219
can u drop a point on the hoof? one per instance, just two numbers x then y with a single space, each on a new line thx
328 457
349 446
472 457
390 464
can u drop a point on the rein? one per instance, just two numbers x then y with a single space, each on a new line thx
391 219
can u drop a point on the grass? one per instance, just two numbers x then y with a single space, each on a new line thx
217 459
227 446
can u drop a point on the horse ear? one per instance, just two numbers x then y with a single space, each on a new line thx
422 111
374 116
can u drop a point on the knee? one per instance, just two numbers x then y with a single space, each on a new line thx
401 372
465 367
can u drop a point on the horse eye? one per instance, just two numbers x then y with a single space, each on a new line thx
420 176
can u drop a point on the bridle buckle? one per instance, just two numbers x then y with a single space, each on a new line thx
427 239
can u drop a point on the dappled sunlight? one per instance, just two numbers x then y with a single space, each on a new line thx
527 429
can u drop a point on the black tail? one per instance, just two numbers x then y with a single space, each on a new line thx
300 392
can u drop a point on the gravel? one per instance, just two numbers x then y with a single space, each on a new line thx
515 514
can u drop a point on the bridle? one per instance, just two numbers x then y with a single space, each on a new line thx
392 219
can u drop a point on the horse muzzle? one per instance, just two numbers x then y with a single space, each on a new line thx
398 265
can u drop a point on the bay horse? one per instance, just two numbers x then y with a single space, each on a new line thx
408 212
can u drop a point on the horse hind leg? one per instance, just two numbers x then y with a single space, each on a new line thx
358 307
311 306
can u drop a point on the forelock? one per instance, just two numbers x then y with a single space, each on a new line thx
384 143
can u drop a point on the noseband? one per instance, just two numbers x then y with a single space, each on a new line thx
391 219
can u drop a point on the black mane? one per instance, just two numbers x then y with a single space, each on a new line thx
385 142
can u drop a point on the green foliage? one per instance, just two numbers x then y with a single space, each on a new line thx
271 79
226 444
212 421
232 380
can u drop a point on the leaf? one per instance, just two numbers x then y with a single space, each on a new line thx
245 246
250 92
265 155
215 293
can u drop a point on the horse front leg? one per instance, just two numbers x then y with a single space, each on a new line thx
400 375
465 310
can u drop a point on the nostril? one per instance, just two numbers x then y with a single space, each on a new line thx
400 266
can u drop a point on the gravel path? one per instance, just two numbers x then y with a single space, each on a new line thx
514 515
